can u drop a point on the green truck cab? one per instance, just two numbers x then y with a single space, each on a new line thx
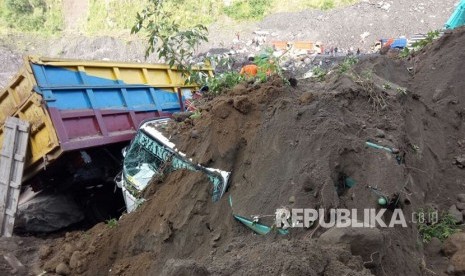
151 153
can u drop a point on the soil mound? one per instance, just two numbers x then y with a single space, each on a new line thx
303 147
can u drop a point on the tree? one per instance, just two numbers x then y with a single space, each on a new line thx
165 37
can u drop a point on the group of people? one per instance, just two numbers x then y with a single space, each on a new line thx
333 51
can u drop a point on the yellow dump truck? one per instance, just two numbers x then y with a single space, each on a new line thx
82 113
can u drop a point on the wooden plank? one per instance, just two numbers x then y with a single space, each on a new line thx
12 157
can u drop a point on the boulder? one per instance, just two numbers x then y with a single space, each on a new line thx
434 246
380 133
460 206
47 213
62 269
456 242
75 259
460 161
457 263
456 214
461 198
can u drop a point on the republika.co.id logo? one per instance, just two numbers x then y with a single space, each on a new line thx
328 218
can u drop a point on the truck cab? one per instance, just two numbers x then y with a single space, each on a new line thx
150 154
392 43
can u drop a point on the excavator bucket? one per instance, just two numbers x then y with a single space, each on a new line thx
457 18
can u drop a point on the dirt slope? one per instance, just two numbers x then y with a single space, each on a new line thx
293 147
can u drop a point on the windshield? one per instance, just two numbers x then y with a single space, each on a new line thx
140 164
148 156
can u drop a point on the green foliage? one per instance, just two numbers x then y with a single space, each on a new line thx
166 37
45 16
442 229
327 5
420 44
430 37
298 5
223 81
269 65
220 82
319 74
31 15
248 9
197 115
404 53
112 223
112 15
19 7
189 13
98 15
347 64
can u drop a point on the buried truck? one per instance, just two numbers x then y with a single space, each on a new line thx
150 156
81 115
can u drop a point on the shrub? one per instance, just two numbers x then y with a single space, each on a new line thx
32 15
347 64
223 81
442 229
246 10
319 73
112 223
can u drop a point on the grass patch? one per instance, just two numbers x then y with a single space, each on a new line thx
112 223
112 15
347 65
120 15
248 9
445 226
319 74
299 5
224 81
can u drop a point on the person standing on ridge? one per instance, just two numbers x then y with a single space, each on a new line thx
250 69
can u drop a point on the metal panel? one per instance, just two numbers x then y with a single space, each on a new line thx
43 137
16 93
74 89
12 159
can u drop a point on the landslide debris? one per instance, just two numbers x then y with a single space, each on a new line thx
296 148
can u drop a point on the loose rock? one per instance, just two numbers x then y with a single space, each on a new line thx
461 198
456 214
454 243
62 269
458 263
